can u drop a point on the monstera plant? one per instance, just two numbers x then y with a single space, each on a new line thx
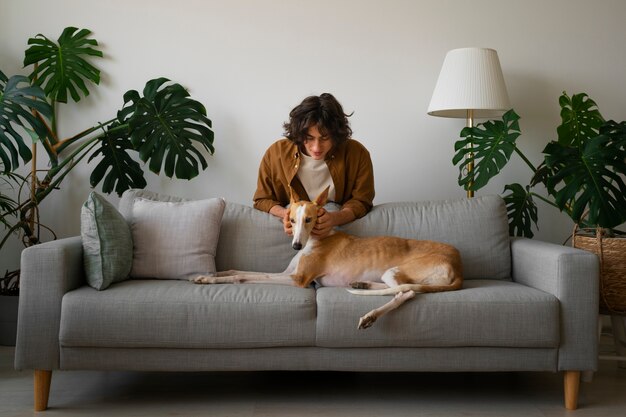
583 170
161 126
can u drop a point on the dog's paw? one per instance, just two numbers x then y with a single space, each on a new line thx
366 321
203 279
360 285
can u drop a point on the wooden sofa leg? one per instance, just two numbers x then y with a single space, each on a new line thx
572 384
42 389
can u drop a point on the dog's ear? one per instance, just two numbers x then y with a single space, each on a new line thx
293 196
322 199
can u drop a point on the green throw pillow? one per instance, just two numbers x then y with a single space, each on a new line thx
107 242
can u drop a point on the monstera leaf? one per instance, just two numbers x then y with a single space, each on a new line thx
589 178
8 205
580 120
165 125
616 132
489 146
61 68
119 170
521 210
588 164
541 175
17 98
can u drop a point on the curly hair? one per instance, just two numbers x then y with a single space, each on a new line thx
323 111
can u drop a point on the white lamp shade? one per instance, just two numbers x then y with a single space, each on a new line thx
470 79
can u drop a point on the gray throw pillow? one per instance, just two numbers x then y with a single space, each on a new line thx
175 240
107 242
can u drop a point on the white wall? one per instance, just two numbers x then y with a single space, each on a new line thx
250 62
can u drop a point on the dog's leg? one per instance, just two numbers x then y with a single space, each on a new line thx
233 276
399 299
215 279
388 279
279 279
368 285
243 277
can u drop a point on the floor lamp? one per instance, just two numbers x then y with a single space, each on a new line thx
470 86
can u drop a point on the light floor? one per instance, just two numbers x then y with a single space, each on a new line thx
327 394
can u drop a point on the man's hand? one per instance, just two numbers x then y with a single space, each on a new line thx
287 223
326 221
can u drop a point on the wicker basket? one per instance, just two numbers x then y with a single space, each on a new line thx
612 254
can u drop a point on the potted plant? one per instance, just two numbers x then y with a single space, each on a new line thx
161 126
583 172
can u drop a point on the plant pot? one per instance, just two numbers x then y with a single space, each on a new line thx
612 254
8 319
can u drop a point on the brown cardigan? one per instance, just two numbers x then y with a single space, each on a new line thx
350 168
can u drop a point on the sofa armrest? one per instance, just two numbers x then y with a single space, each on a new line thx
572 275
48 271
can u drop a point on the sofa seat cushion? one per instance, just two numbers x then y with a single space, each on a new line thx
485 313
180 314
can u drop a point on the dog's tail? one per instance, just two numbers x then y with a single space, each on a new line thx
417 288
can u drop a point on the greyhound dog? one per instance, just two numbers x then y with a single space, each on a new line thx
367 266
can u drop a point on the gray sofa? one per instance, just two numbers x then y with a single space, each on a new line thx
526 305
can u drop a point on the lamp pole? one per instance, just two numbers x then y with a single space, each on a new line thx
470 156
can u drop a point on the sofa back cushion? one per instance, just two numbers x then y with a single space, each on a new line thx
175 239
477 227
249 239
252 240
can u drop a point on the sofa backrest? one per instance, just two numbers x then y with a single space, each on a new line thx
477 227
252 240
249 240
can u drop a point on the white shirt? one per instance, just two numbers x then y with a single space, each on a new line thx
315 177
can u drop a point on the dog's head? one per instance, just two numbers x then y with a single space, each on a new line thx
303 216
